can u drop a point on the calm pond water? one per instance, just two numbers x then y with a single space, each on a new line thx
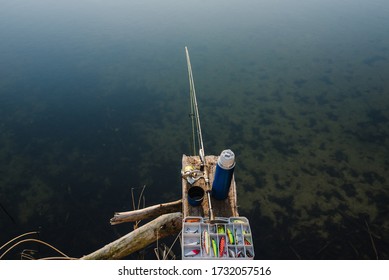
94 101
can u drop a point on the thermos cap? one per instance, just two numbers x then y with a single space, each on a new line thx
227 159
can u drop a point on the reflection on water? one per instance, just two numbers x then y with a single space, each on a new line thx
94 100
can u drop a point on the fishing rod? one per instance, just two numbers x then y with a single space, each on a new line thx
196 119
195 110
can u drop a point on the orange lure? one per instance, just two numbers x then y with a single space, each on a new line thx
222 244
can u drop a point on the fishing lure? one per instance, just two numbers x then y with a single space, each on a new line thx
246 242
231 238
188 230
192 253
205 241
192 243
240 254
214 247
237 240
222 244
220 230
231 253
194 220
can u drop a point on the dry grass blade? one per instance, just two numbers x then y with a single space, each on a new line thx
17 237
141 198
371 239
33 240
58 258
174 242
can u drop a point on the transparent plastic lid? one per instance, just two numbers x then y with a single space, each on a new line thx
227 159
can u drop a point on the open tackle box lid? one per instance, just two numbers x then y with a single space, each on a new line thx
229 238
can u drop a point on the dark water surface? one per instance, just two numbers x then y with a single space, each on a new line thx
94 100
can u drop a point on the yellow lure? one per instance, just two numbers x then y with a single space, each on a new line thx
214 247
230 236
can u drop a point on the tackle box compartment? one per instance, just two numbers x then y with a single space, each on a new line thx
202 240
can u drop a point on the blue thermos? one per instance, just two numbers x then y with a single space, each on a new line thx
223 175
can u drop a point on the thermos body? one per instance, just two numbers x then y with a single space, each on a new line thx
223 175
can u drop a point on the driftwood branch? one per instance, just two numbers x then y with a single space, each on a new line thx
146 213
163 226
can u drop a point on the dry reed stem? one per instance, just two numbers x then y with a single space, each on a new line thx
17 237
32 240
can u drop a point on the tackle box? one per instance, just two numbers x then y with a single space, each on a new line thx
236 232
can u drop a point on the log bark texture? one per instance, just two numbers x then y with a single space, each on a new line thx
163 226
146 213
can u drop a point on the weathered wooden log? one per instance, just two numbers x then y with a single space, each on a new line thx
163 226
146 213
